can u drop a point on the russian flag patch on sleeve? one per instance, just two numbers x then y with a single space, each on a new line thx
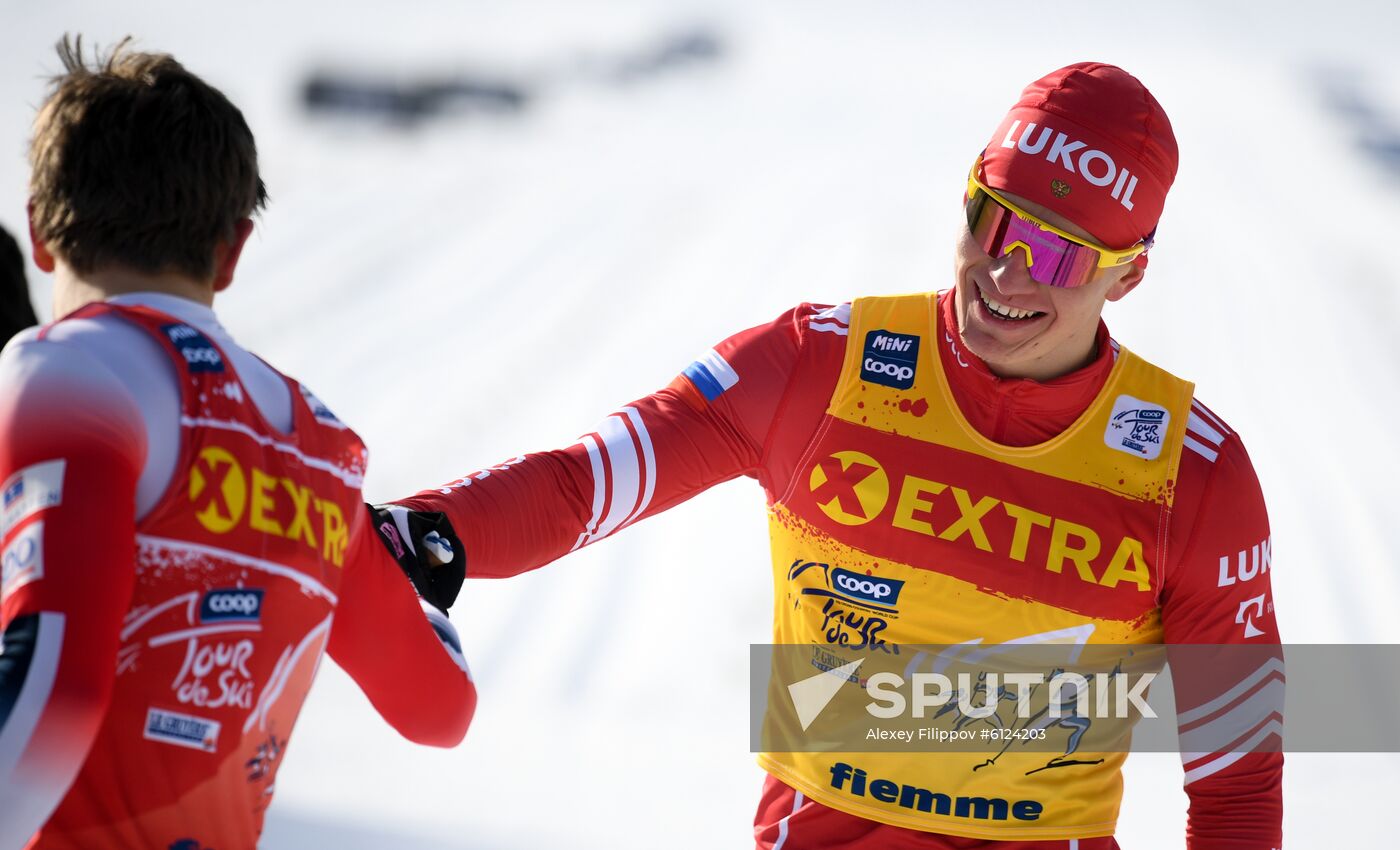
711 375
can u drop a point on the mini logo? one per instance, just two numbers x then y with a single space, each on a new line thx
318 408
182 730
1060 188
231 604
849 487
881 591
29 491
23 559
1137 427
890 359
199 351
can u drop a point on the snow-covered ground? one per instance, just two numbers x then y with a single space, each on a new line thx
553 265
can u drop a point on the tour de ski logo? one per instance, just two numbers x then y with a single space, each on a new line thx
1137 427
890 359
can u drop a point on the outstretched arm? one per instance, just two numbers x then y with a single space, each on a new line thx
71 449
401 650
706 427
1229 695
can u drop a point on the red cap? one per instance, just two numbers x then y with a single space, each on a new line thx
1090 142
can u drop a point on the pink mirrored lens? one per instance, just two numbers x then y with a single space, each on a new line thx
1051 259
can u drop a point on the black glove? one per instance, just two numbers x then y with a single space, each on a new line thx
427 549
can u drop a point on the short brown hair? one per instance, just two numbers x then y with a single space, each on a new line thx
137 162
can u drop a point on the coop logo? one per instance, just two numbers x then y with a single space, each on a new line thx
199 351
182 730
1137 427
890 359
881 591
1096 167
23 559
225 497
234 604
850 487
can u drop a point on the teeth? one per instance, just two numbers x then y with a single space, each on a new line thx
1005 311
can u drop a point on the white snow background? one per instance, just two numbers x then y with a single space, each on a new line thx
482 286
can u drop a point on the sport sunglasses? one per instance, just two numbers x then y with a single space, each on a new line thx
1053 257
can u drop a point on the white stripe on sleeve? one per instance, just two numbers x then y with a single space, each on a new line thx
1201 448
1210 768
719 369
27 798
627 481
595 462
1202 429
648 460
1221 733
783 824
1270 667
623 475
1214 420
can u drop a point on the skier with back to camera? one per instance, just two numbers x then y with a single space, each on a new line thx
183 531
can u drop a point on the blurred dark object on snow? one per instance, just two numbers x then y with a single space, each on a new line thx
693 47
407 101
328 91
16 311
1375 131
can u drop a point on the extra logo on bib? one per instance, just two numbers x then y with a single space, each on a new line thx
1137 427
889 359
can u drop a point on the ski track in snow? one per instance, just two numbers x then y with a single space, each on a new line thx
554 265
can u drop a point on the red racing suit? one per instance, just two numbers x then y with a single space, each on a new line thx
755 405
165 661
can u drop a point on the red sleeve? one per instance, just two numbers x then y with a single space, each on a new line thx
706 427
1219 594
72 446
407 662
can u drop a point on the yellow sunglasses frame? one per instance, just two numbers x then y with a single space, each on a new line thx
1108 258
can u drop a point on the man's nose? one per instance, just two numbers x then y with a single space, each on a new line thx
1011 272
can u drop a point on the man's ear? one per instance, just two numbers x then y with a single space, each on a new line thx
1127 283
40 251
226 254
